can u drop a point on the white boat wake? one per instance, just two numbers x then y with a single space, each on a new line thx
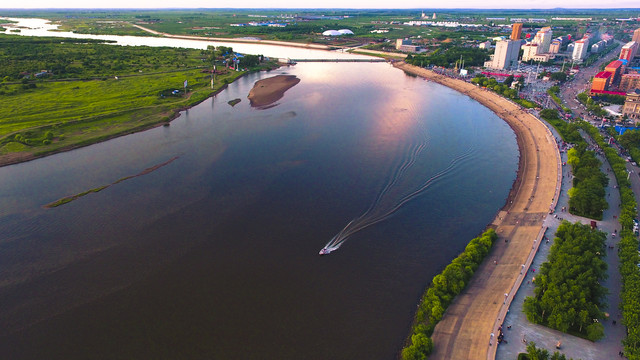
380 210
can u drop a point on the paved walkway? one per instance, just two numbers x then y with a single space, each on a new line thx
464 332
572 347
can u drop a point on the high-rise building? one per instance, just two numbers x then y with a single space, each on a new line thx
554 48
636 36
505 56
628 51
599 46
543 39
529 51
615 68
601 81
630 82
516 31
580 49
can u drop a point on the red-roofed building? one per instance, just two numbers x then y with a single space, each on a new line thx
629 50
616 68
601 81
606 92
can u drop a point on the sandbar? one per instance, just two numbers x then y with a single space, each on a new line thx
465 329
267 91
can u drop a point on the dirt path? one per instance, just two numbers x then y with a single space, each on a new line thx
466 328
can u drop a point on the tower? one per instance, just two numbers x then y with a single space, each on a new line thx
506 54
516 31
543 39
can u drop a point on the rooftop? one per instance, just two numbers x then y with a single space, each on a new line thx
614 64
608 92
603 75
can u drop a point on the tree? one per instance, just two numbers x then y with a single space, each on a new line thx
412 353
595 331
583 97
573 157
223 51
549 113
557 356
250 60
211 54
559 76
536 353
422 342
630 139
508 81
567 293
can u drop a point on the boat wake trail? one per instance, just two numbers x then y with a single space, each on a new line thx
391 198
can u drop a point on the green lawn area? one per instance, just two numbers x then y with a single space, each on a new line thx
58 94
55 115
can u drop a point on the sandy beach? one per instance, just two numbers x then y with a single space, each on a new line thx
465 330
267 91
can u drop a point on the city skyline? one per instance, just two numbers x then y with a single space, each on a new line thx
328 4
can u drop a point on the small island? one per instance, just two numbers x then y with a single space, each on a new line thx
267 91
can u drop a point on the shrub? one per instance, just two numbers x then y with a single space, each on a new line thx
568 294
444 288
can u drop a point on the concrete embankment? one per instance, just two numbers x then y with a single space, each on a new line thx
465 330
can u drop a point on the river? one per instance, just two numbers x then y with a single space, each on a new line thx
215 254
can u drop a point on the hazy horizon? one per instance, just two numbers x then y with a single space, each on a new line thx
328 5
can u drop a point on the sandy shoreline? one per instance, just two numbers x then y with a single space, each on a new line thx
236 40
267 91
464 331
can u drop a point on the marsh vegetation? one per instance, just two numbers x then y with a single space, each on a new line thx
63 93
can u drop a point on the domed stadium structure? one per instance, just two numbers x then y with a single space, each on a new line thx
337 32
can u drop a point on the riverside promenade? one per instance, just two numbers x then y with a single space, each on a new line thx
465 331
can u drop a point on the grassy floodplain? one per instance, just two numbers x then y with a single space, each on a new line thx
94 91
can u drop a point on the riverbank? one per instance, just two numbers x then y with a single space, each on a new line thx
141 119
87 129
237 40
466 327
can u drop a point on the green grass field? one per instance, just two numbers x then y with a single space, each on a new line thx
62 114
93 91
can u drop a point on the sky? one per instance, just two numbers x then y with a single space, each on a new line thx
327 4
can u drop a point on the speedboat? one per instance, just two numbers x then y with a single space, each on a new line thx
324 251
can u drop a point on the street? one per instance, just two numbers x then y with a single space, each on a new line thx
581 82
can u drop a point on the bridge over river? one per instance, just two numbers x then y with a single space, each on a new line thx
293 61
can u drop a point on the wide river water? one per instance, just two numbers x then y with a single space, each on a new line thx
215 254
